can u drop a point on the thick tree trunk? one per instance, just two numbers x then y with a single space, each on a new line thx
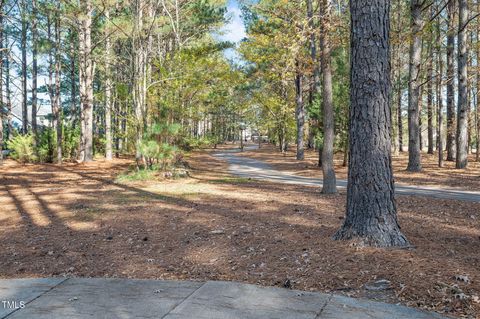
24 68
2 101
108 96
477 106
328 168
414 157
450 80
300 115
371 216
462 138
34 71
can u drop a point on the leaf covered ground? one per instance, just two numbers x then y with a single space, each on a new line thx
75 220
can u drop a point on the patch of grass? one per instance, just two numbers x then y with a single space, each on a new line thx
135 176
231 180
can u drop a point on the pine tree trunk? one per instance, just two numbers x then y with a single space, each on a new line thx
328 168
414 157
34 71
300 114
58 107
315 80
24 68
477 106
371 216
450 81
462 138
430 116
108 96
439 94
73 86
7 88
399 84
86 73
2 101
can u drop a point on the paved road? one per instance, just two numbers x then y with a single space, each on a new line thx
76 298
256 169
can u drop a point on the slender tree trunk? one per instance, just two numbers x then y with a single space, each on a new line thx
108 96
58 107
300 114
24 68
450 80
462 138
7 87
139 70
34 72
73 86
430 116
371 216
328 168
315 81
399 82
86 73
439 95
414 157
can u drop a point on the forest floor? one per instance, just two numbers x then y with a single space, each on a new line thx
75 220
432 175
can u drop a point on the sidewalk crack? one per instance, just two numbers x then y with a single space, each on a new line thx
40 295
181 302
324 306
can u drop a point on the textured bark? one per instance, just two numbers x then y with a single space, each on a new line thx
24 68
462 134
2 101
414 157
73 86
430 116
58 108
315 80
450 80
34 70
139 70
328 169
108 96
439 95
7 88
371 214
300 115
399 84
477 106
86 73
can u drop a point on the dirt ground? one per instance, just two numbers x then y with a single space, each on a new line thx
431 175
74 220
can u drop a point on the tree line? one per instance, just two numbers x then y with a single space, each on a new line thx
109 70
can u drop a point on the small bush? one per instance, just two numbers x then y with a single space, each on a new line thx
22 147
136 176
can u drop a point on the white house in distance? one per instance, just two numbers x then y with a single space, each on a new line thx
44 115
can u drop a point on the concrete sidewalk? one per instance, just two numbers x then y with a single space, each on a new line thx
59 298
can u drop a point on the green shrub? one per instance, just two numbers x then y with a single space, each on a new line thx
22 147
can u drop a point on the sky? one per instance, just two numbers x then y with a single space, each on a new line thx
234 30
